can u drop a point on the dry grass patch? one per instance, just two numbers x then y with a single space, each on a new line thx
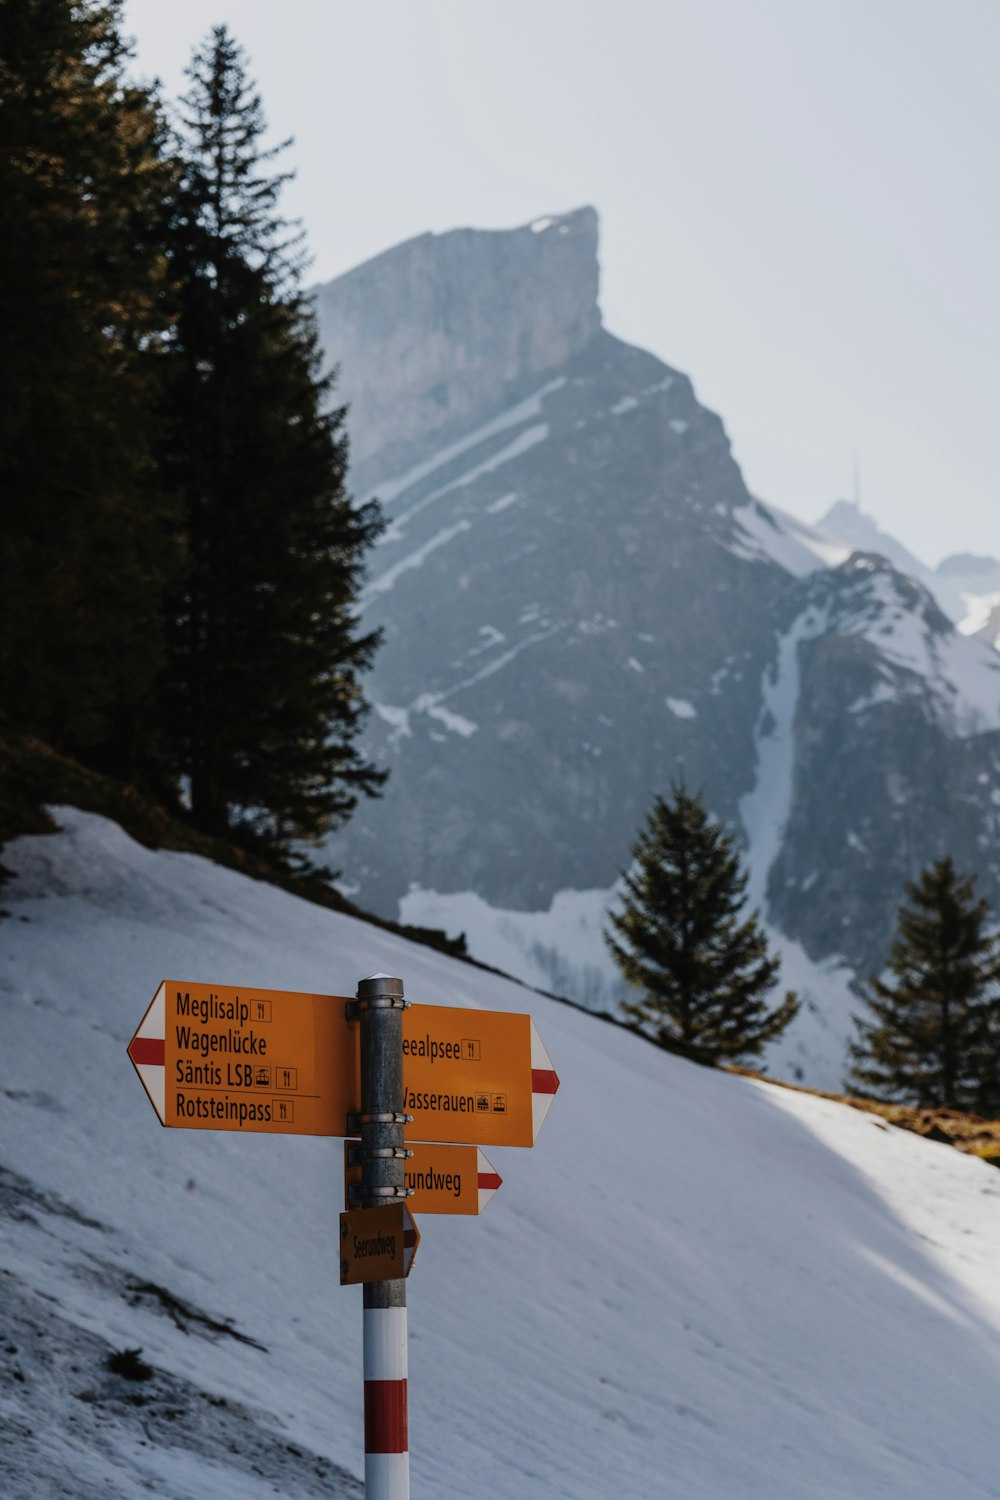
969 1133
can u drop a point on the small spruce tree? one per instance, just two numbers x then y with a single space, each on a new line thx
704 973
933 1038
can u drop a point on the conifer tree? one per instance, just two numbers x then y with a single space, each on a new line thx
262 701
83 174
703 972
933 1035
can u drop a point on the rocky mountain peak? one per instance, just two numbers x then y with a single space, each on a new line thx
431 334
846 521
869 588
966 586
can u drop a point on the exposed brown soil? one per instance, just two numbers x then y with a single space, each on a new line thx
969 1133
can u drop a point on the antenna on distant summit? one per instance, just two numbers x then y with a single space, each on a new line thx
857 481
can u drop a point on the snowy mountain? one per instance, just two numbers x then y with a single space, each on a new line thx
965 586
848 523
694 1285
580 599
881 730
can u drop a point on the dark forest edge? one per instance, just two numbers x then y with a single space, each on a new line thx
35 778
181 559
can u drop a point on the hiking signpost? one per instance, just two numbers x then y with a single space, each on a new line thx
419 1088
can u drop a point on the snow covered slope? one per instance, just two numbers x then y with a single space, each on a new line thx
695 1286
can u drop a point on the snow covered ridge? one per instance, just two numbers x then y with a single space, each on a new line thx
920 651
895 613
766 533
961 584
965 588
795 1301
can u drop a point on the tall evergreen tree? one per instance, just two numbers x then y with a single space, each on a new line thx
933 1037
82 278
704 974
263 701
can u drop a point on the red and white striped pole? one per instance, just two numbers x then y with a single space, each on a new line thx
383 1161
387 1456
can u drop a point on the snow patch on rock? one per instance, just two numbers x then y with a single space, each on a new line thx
513 416
427 703
767 533
764 811
681 708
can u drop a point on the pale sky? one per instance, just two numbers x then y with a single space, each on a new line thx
799 200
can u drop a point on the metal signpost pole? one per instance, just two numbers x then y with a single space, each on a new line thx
383 1160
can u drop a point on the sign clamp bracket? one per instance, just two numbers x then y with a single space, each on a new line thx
357 1194
355 1120
359 1153
353 1008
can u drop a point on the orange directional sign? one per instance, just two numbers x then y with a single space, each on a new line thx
474 1075
214 1057
444 1179
377 1244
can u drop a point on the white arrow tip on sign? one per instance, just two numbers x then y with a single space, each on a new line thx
489 1179
146 1052
411 1239
544 1082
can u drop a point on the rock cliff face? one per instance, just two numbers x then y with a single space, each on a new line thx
433 333
566 614
581 600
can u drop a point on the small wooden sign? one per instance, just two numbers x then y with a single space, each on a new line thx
377 1244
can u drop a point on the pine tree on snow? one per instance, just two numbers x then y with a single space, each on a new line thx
703 973
932 1037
